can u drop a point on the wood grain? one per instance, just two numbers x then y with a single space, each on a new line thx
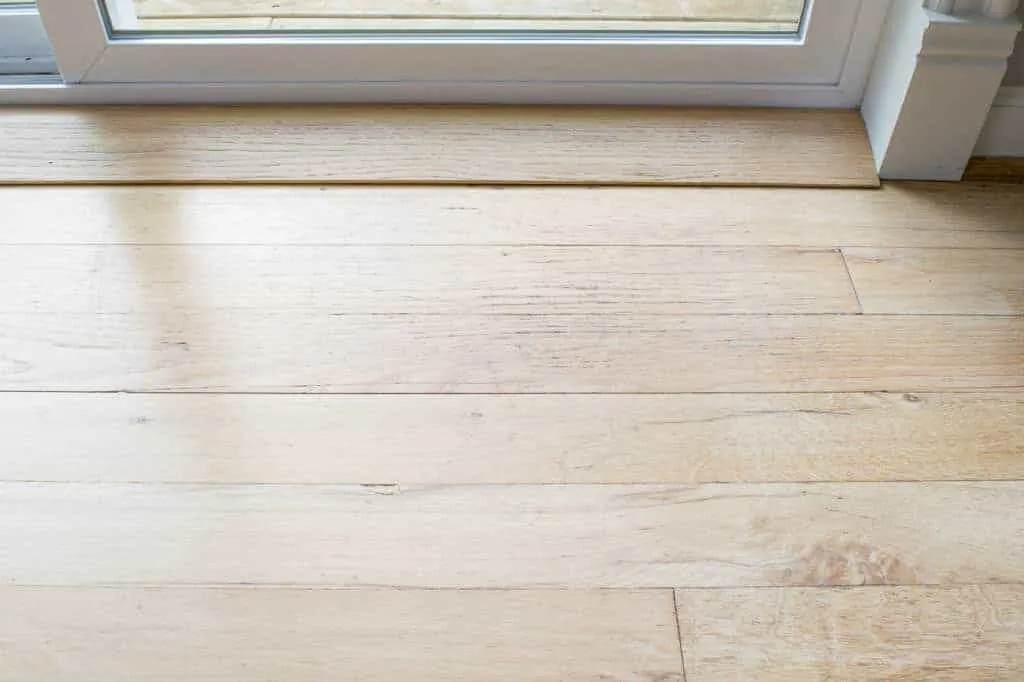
995 169
426 280
397 144
918 634
583 426
252 351
898 215
513 536
938 281
512 439
247 635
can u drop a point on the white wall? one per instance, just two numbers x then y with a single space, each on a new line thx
1003 134
1015 70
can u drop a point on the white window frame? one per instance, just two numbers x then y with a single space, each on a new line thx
24 46
826 65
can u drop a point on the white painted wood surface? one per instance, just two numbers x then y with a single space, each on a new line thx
931 88
1003 134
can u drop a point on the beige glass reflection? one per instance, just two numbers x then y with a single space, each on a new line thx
732 16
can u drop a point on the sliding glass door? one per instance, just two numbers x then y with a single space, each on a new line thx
624 51
702 16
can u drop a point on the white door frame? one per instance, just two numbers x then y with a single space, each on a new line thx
824 66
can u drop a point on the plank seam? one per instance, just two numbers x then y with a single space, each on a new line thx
679 633
849 275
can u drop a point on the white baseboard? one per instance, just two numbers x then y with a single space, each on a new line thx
1003 134
932 85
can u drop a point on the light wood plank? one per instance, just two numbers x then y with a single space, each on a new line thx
254 635
921 634
764 10
995 169
428 280
898 215
513 536
512 439
396 144
252 351
938 281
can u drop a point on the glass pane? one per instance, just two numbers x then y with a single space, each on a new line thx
697 16
24 47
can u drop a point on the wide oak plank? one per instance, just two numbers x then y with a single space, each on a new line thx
714 535
254 351
910 634
898 215
512 439
425 279
454 145
938 281
298 635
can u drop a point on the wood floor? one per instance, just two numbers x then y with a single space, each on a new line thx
453 427
471 433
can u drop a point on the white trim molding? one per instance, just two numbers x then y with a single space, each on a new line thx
994 9
1004 132
933 83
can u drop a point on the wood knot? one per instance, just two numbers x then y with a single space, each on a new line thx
846 563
